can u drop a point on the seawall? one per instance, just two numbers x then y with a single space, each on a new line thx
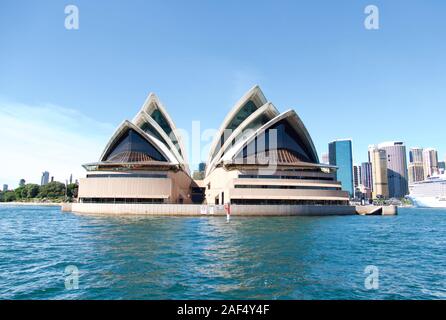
216 210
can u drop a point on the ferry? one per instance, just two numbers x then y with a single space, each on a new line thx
430 193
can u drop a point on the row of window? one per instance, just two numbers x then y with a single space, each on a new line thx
287 202
265 176
247 186
130 175
121 200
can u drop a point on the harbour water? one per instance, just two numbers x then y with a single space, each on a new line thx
210 258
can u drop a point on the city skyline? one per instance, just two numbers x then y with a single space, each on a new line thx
323 156
201 64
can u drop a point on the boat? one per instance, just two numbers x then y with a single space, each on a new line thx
430 193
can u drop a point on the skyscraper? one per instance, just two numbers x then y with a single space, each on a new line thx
416 155
430 162
340 155
325 158
45 178
357 175
441 167
366 175
357 180
202 167
5 187
416 169
396 168
378 158
22 182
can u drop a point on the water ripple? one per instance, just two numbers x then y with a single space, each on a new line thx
209 258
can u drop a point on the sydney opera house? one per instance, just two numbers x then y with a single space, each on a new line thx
259 157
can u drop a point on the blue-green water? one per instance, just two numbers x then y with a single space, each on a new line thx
209 258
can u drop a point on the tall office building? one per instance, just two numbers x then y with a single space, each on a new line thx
416 155
378 158
441 167
202 166
396 168
357 180
356 175
416 168
325 158
340 155
416 172
5 187
45 178
366 175
22 182
430 162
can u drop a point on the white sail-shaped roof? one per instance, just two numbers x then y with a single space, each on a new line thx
163 154
294 144
293 122
244 131
247 105
154 117
152 128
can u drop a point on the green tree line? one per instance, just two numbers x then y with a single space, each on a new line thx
53 191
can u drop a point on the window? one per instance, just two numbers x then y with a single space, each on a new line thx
157 115
244 112
148 128
287 139
132 147
255 176
288 202
246 186
122 200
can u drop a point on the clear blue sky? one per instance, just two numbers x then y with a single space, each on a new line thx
199 57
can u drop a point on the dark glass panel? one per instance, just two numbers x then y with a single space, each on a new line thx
287 139
241 116
164 124
132 142
245 111
148 128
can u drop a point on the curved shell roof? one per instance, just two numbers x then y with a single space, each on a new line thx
255 120
244 125
248 104
294 121
126 126
154 120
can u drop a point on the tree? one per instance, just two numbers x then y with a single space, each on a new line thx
53 189
72 189
19 192
9 196
32 190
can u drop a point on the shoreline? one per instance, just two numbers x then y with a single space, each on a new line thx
41 204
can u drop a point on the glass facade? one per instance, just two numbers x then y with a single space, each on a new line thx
248 109
396 169
340 155
157 115
288 202
287 139
255 186
148 128
132 143
244 112
265 176
366 174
